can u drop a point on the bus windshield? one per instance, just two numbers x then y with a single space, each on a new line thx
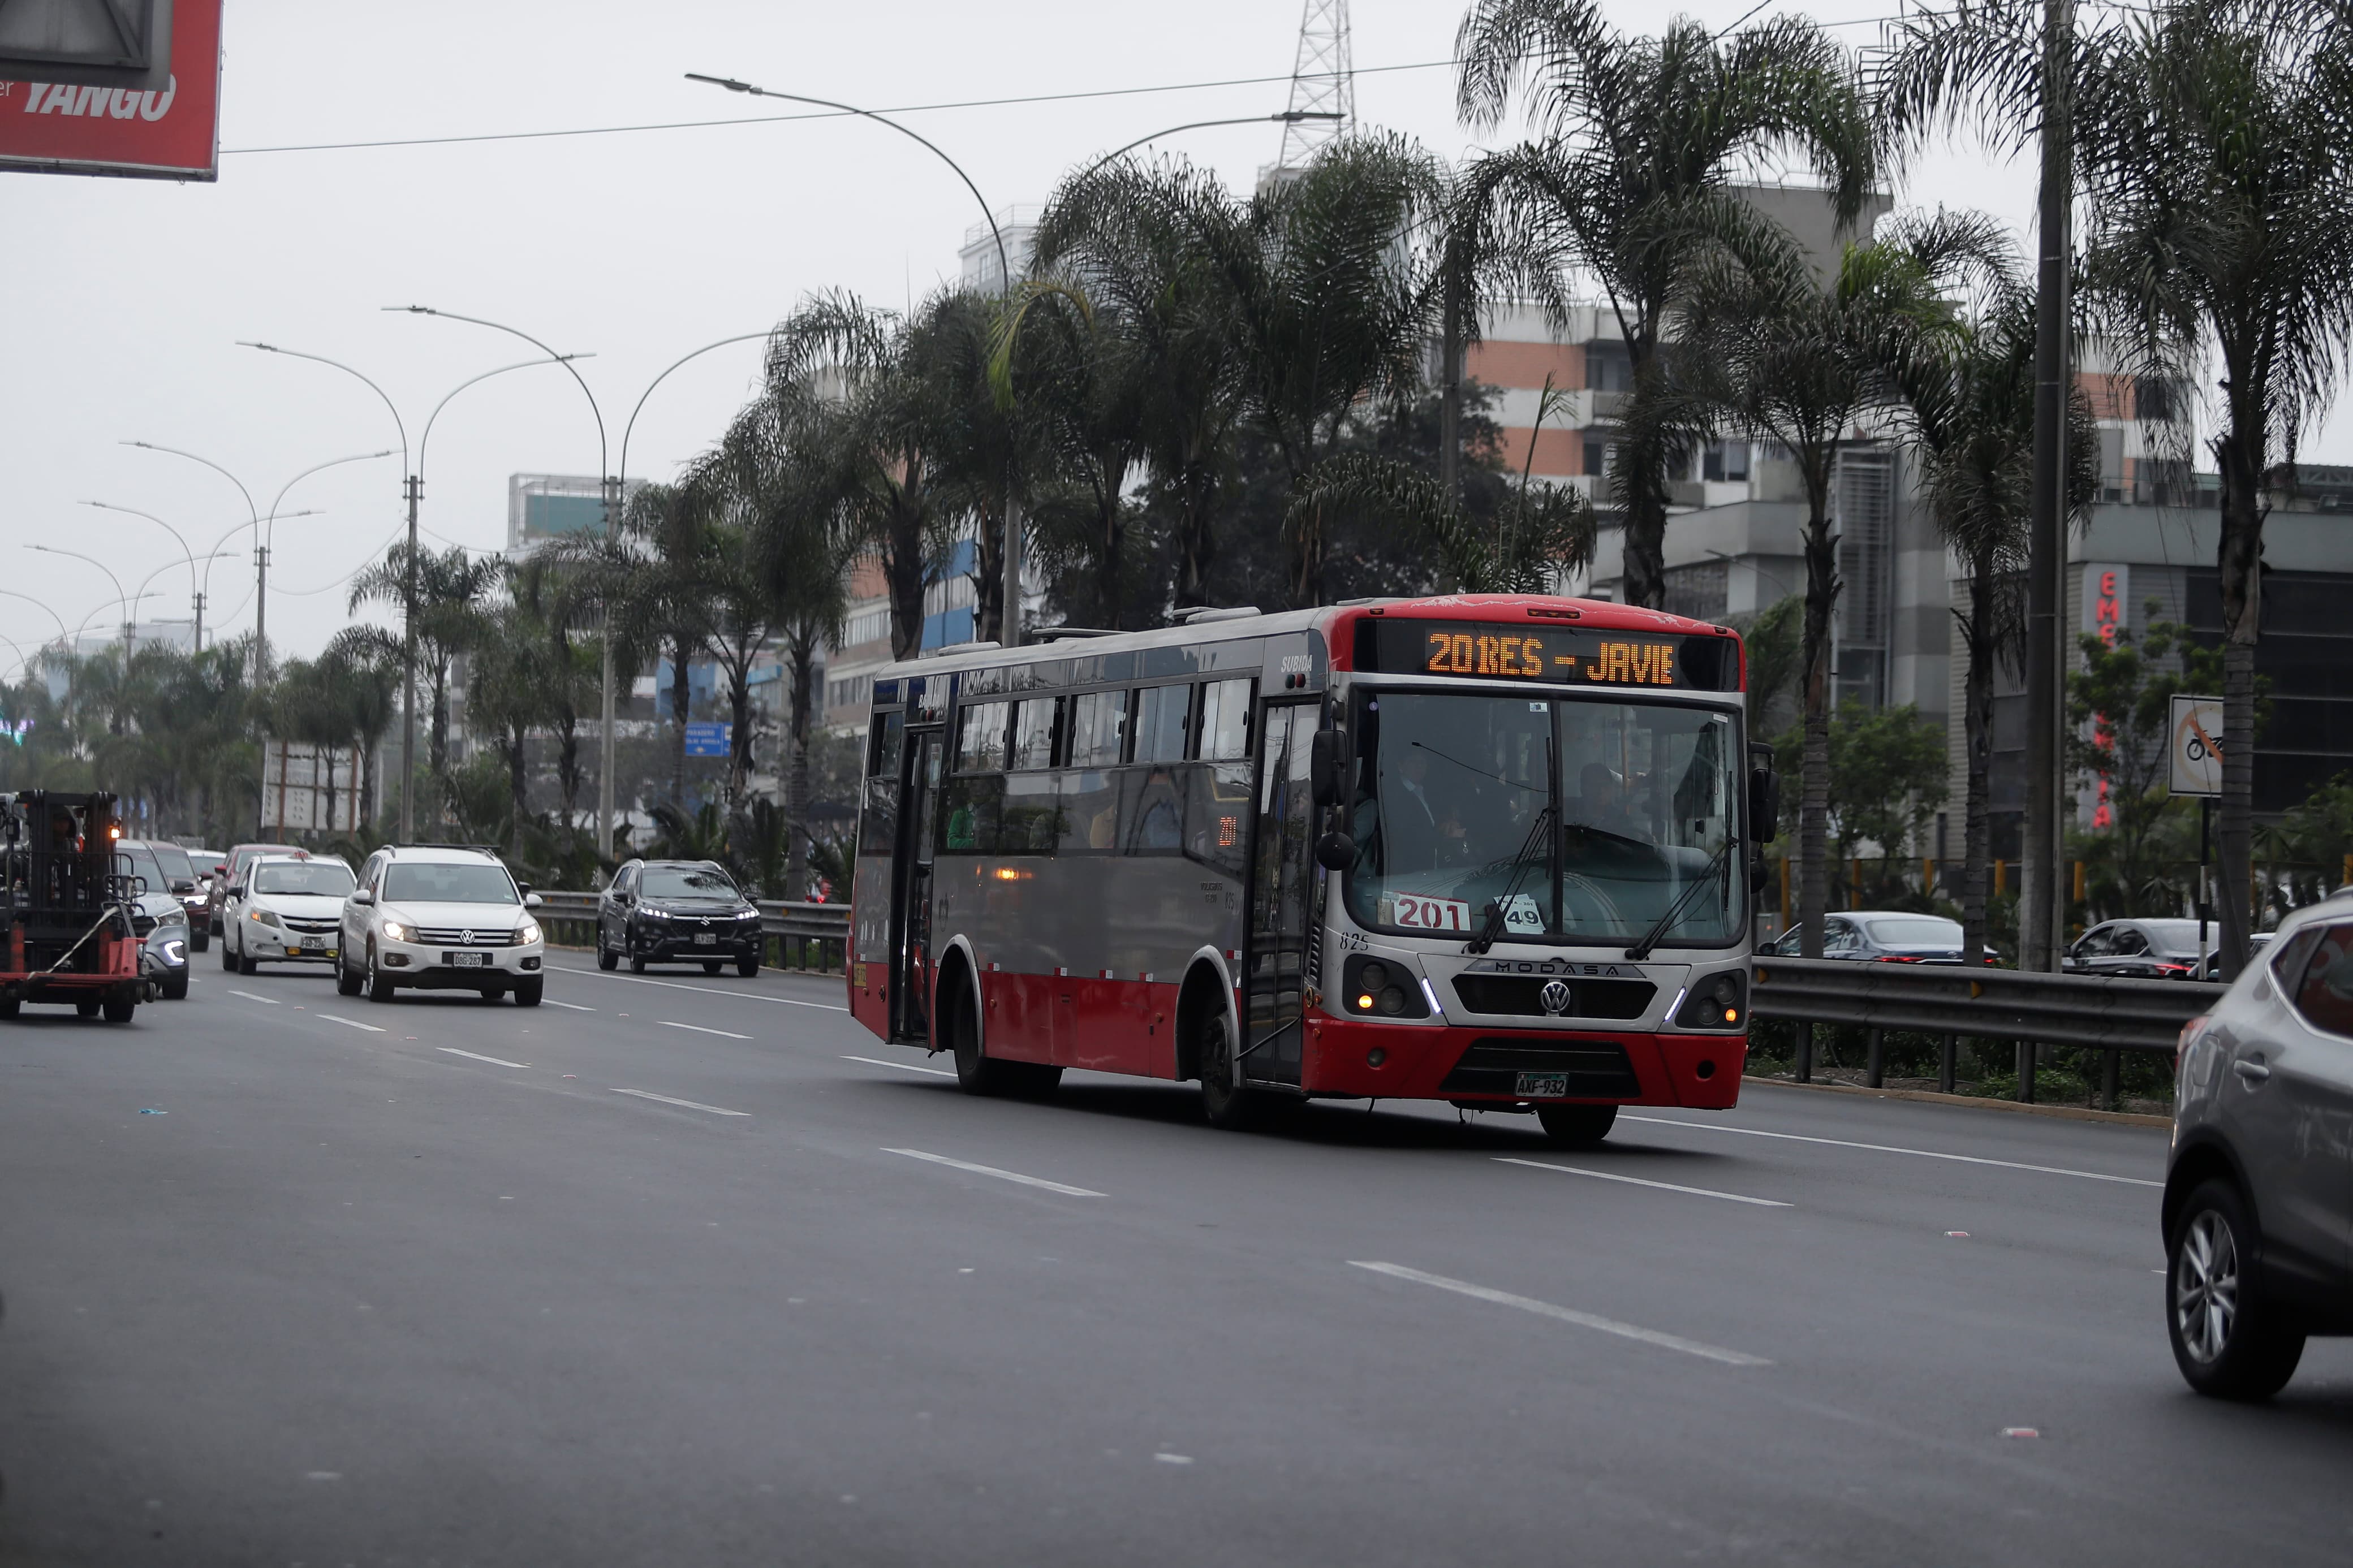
1587 819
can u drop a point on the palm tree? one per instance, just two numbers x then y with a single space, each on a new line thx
451 588
1624 184
368 660
1965 401
853 387
1798 360
1330 305
1130 236
2218 161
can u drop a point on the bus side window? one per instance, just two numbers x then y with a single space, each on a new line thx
1225 720
1035 722
1161 719
1098 729
879 822
981 737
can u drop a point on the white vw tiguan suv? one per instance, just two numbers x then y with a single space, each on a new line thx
439 918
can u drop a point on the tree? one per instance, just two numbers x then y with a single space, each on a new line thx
451 588
1131 236
1798 361
2219 161
1963 400
1625 183
367 660
2118 716
852 385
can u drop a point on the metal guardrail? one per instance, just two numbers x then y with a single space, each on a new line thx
799 936
2101 1013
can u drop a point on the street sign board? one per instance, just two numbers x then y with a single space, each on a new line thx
170 133
708 738
2194 744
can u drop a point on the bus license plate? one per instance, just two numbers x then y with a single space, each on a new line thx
470 960
1542 1086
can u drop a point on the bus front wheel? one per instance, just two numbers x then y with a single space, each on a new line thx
1576 1126
1226 1102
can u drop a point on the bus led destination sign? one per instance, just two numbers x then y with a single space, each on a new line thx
1557 656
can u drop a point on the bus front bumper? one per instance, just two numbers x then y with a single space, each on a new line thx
1347 1058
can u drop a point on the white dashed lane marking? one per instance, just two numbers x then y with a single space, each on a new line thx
477 1055
1638 1181
902 1067
348 1023
256 996
1893 1149
1000 1175
688 1104
699 1029
1567 1315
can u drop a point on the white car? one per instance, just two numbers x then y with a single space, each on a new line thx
283 909
440 918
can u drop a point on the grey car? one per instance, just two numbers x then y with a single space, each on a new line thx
2258 1211
2141 948
1882 936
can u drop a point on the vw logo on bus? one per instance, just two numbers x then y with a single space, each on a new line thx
1555 997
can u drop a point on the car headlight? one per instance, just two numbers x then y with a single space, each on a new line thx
528 931
264 916
396 930
174 951
654 914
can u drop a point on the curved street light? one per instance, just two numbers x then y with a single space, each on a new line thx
1009 618
604 483
1285 117
122 598
195 593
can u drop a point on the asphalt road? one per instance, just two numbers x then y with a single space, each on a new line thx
688 1272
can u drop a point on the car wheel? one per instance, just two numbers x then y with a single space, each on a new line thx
86 1008
636 964
347 979
748 966
1576 1126
607 959
175 988
526 992
247 965
2230 1339
200 939
710 966
1226 1103
379 985
119 1009
228 958
494 993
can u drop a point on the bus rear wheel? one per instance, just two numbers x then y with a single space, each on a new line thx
1576 1126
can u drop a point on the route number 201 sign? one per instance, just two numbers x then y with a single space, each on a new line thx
1413 911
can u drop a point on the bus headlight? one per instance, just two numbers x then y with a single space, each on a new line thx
1720 1002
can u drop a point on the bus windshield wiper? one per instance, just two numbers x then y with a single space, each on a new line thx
1496 911
1641 949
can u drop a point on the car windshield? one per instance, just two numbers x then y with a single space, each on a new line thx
174 861
1916 931
321 878
1452 789
687 882
140 861
468 882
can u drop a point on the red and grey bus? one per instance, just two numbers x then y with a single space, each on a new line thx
1493 849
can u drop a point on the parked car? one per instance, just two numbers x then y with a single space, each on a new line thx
2213 968
284 909
159 918
677 911
435 917
2148 949
226 870
1884 936
2258 1210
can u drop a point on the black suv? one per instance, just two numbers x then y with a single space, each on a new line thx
677 911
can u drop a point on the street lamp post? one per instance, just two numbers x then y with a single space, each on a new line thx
1009 620
260 672
195 593
120 598
606 483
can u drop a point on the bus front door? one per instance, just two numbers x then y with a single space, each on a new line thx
1282 880
911 896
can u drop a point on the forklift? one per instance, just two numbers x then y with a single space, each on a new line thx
67 909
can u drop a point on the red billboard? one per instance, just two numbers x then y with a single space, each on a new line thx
62 128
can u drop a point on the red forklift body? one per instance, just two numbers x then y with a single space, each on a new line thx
69 934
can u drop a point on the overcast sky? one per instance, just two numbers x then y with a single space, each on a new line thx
126 298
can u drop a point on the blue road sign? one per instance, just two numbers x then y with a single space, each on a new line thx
708 738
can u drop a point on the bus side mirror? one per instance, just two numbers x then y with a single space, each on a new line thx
1327 764
1335 852
1763 805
